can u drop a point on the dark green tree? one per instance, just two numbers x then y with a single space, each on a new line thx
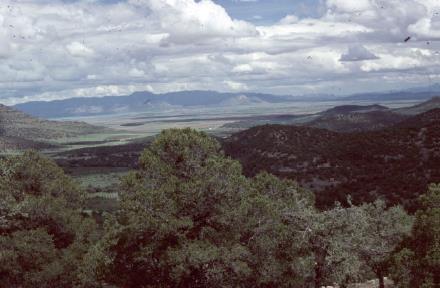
189 218
417 263
43 235
385 228
268 215
332 237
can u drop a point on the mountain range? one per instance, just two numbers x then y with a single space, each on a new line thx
143 101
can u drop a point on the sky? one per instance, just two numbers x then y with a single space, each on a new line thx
54 49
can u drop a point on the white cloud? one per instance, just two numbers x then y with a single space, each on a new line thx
237 86
349 6
426 28
357 53
5 47
289 19
77 49
187 21
53 50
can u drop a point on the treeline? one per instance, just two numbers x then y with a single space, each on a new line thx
189 218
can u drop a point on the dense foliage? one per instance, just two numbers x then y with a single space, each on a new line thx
43 235
396 164
188 217
417 264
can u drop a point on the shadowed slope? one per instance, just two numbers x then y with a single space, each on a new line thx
396 163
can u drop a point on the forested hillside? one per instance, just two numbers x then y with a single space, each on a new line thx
357 121
188 217
396 163
345 118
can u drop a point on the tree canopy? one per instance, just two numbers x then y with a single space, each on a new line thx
43 234
417 263
188 217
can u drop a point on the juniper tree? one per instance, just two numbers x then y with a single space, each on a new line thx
417 263
43 235
189 218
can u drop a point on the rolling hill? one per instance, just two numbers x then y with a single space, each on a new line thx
345 118
356 118
347 109
16 143
396 163
433 103
19 130
357 122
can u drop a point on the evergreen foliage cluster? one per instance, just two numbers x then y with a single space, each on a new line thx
189 218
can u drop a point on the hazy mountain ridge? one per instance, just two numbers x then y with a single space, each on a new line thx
398 95
142 101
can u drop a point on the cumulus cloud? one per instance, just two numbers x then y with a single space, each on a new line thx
426 28
79 49
51 49
347 6
357 53
188 21
237 86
